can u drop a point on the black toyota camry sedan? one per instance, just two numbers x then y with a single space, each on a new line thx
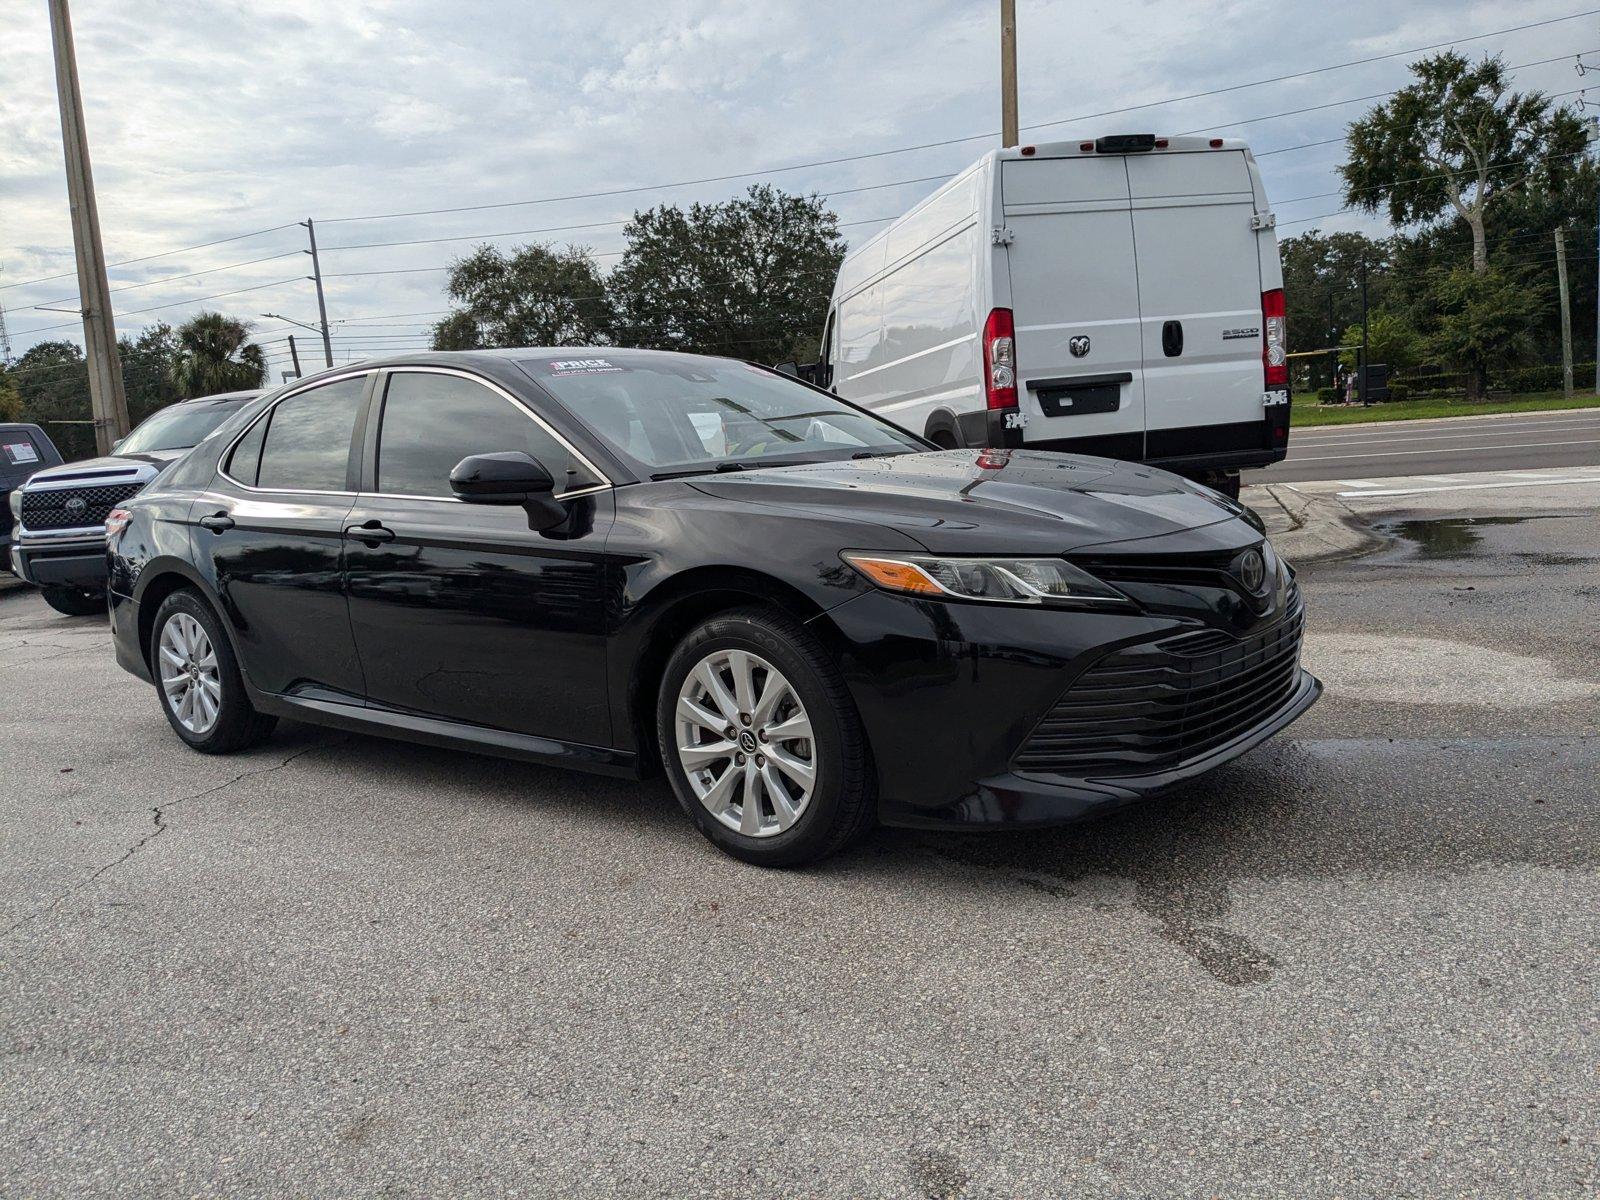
627 561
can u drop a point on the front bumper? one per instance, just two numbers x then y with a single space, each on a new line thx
75 558
1022 800
950 693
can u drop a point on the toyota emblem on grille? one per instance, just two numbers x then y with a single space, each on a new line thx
77 506
1252 570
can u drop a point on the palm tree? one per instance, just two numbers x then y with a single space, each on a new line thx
215 354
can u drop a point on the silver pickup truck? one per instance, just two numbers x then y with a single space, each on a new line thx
59 514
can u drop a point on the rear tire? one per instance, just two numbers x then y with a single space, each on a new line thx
794 798
198 680
74 602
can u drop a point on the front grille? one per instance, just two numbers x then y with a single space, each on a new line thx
54 509
1154 706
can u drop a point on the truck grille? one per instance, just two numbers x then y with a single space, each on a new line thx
56 509
1152 707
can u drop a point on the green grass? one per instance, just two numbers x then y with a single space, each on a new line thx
1307 411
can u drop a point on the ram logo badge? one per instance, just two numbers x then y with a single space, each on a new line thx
1079 345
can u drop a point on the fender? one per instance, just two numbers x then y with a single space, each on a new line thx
943 421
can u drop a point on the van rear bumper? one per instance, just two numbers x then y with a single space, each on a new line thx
1231 447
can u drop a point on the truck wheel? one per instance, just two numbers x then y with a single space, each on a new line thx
74 602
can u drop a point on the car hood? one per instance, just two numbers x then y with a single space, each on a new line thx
989 501
145 463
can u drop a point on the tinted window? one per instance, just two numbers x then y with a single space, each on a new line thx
178 427
308 439
431 422
246 460
17 450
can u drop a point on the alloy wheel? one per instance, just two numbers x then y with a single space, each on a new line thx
189 675
745 744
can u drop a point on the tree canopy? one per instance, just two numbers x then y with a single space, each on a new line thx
215 354
749 277
535 296
1455 141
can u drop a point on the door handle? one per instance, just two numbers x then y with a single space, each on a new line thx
1172 339
217 522
371 532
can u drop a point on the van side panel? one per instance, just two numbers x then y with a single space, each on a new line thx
1200 297
924 359
1072 273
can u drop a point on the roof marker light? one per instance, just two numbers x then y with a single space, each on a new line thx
1027 151
1216 143
1086 146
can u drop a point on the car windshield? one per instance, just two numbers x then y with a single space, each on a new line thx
176 428
681 413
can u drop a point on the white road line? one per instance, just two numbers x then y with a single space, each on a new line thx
1294 462
1466 487
1497 431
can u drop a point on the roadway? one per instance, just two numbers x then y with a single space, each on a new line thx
1448 446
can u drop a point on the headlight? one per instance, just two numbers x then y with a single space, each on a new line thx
999 580
15 500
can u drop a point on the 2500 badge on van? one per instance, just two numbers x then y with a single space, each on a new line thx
1120 296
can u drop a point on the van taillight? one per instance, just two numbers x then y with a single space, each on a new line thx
1275 348
1000 359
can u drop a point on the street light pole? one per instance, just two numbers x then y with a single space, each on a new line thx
1008 73
322 304
107 401
294 354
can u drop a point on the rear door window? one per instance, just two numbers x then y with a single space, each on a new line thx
307 442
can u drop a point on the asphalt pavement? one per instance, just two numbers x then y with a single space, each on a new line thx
1359 962
1448 445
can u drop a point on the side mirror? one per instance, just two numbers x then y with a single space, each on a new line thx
509 477
790 368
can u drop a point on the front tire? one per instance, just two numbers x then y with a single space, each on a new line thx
198 680
762 742
74 602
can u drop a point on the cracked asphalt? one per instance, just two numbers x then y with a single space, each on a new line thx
1359 962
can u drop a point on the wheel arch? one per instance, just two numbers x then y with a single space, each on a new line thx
676 607
158 580
942 424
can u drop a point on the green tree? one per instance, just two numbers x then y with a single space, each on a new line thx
10 397
1455 141
538 296
1322 287
1486 320
1393 341
215 354
53 380
149 368
749 277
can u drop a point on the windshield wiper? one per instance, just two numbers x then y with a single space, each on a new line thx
722 468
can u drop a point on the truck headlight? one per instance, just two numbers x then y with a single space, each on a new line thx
998 580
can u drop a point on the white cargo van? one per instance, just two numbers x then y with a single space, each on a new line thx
1120 296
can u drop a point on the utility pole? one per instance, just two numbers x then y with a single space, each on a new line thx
107 401
1566 313
1008 73
295 355
322 305
1361 367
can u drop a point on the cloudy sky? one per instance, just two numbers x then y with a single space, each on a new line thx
212 120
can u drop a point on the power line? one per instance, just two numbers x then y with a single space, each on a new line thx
828 162
128 262
175 303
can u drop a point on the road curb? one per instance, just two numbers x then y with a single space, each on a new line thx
1307 528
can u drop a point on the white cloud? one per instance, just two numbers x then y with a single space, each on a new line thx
211 120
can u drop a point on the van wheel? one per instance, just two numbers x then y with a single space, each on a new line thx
762 742
74 602
198 679
942 440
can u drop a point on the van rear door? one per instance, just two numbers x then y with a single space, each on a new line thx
1200 301
1075 302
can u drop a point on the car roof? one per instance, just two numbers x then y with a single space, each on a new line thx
226 397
